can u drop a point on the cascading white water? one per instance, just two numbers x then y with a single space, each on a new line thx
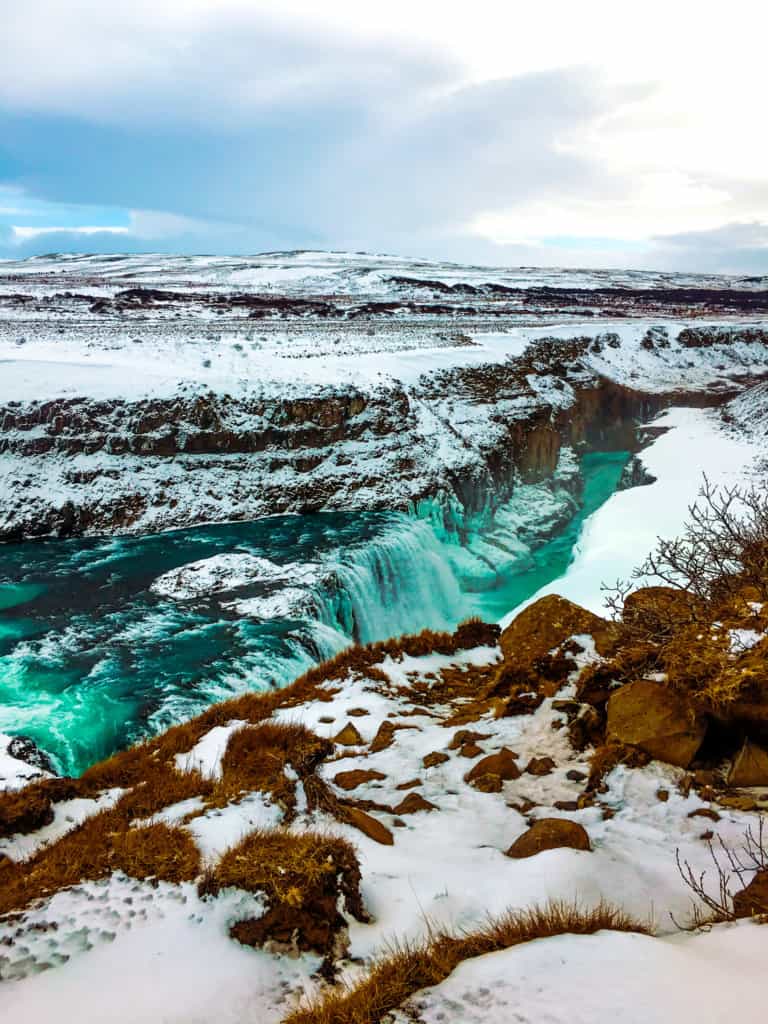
399 582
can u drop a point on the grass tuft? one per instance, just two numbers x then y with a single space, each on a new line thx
407 968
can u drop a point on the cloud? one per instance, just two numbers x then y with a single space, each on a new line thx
732 248
196 125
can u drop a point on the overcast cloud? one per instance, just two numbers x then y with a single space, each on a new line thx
212 126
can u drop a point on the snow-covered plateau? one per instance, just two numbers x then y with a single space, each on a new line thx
145 393
224 485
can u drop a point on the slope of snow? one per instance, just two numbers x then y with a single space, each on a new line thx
711 978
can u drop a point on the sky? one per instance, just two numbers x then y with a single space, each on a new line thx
550 133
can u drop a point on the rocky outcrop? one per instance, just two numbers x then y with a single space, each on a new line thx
750 766
654 718
550 834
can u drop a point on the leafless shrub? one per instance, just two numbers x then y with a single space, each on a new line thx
733 871
722 549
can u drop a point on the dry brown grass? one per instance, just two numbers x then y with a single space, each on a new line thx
100 846
303 878
405 969
288 867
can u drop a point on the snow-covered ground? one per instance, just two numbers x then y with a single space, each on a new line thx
127 951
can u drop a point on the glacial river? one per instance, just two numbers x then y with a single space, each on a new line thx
92 659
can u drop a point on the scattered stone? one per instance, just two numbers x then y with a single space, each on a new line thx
409 785
349 736
412 803
327 719
567 805
492 771
355 778
550 834
654 718
737 801
435 758
750 766
464 736
540 766
608 813
385 736
707 836
369 826
576 776
523 806
754 898
662 795
471 750
357 712
399 823
705 812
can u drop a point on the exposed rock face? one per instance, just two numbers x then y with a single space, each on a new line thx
550 834
659 611
750 766
652 717
25 749
754 898
546 624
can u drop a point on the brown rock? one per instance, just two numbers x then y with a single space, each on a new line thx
655 719
750 766
409 785
546 624
471 750
754 899
385 736
464 736
352 779
489 773
662 795
705 812
550 834
435 758
368 825
357 712
575 776
349 736
566 805
540 766
659 611
412 803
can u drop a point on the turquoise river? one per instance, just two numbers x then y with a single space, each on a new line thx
92 659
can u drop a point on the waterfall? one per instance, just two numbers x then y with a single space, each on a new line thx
398 582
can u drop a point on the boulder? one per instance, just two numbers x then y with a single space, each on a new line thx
660 611
464 736
540 766
546 624
550 834
353 779
412 803
368 825
492 771
754 898
654 718
471 750
435 758
349 736
750 766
